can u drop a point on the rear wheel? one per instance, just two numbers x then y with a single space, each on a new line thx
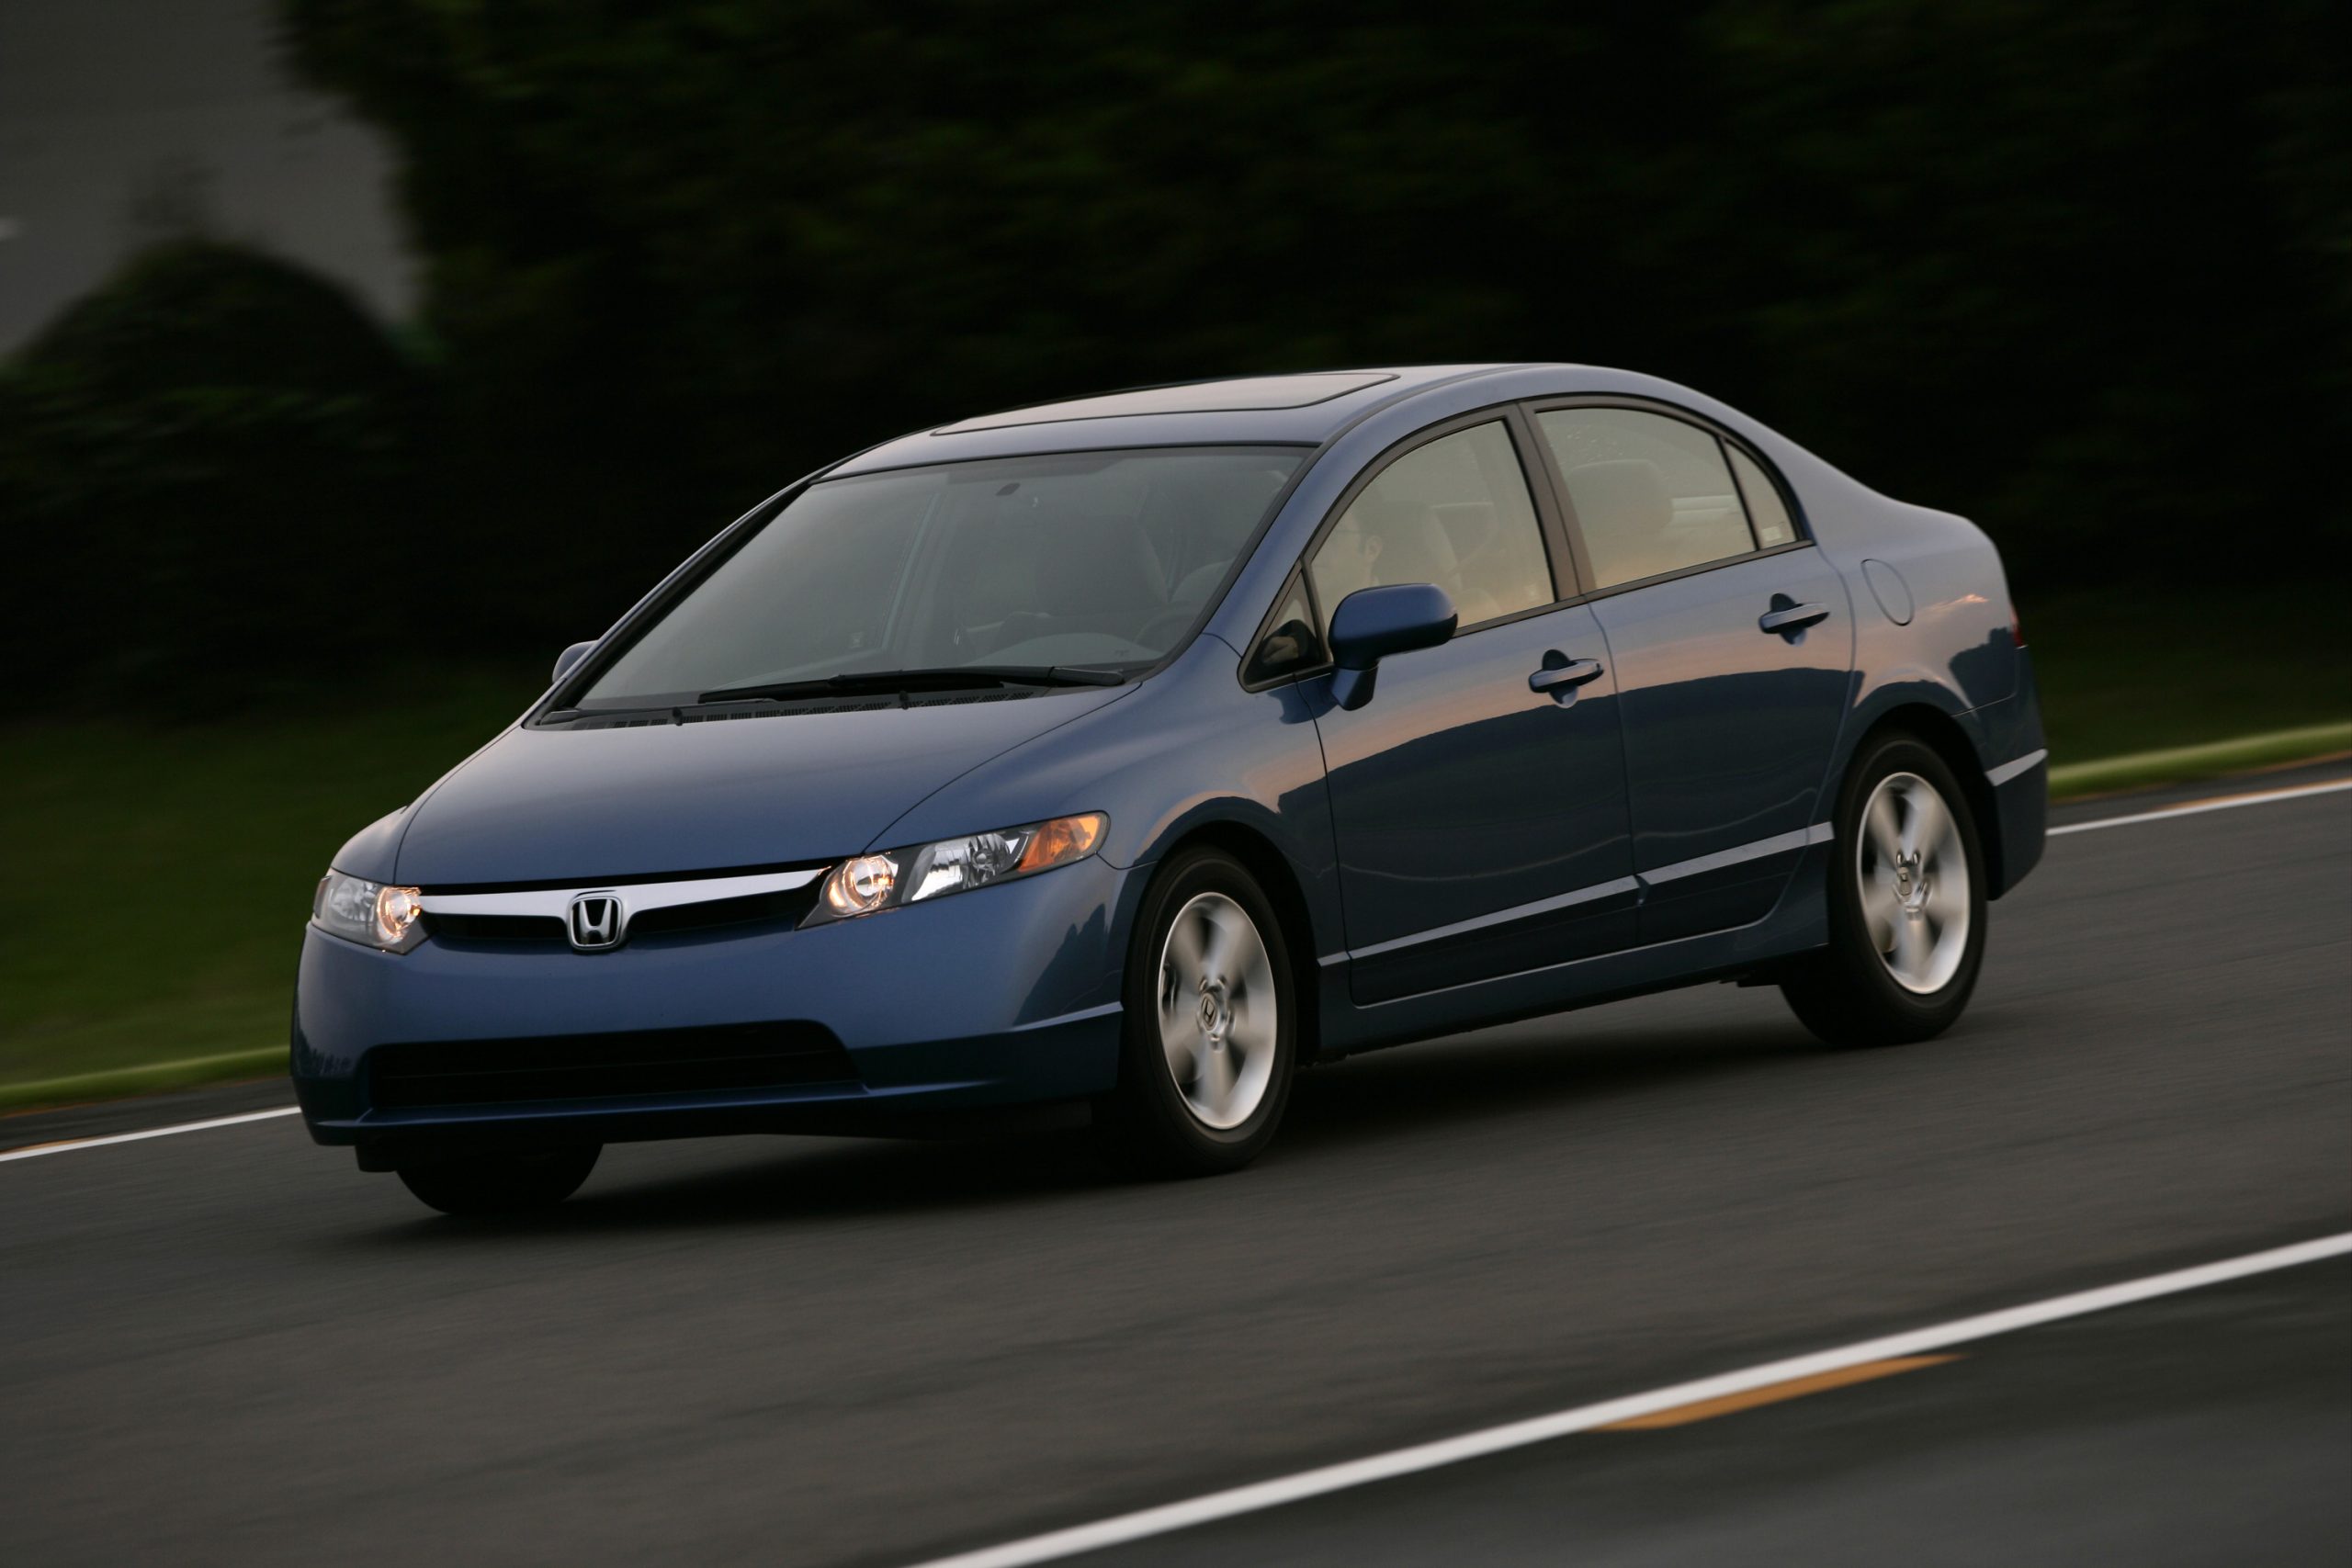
500 1183
1906 905
1211 1020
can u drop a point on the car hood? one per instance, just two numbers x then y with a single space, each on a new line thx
601 805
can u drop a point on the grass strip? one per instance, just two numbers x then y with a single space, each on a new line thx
152 1077
87 803
2178 763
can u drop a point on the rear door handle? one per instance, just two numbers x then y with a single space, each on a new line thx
1561 680
1795 618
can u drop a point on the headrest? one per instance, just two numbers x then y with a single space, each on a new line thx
1414 548
1469 523
1622 495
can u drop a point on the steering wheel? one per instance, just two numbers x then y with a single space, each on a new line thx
1018 627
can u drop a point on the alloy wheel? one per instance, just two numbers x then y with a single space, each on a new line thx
1218 1011
1913 872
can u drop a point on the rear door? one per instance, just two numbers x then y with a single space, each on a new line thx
1732 644
1480 818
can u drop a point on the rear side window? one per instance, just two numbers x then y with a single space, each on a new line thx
1456 512
1651 494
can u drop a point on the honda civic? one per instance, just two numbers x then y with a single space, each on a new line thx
1112 760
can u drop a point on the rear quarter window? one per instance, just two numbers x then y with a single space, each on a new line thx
1766 508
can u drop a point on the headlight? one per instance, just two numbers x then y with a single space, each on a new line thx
872 882
367 912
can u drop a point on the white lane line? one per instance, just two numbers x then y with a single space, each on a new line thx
70 1144
1308 1484
2195 807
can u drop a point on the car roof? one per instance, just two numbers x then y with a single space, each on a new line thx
1305 409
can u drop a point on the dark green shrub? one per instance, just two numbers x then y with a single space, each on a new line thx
207 467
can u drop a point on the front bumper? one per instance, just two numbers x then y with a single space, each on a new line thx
1002 996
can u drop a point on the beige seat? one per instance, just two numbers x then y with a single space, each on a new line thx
1623 510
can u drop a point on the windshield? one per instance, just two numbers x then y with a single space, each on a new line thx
1098 561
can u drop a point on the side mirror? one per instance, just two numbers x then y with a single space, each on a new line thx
569 657
1373 622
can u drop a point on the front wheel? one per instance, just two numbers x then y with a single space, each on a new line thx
1906 905
500 1183
1211 1024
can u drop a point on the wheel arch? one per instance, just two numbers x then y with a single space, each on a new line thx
1942 733
1273 874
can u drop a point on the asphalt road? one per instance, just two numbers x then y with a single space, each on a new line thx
2204 1429
232 1346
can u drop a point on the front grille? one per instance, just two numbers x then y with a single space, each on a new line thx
653 1062
494 928
787 908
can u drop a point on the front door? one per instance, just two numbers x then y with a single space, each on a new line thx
1732 644
1479 798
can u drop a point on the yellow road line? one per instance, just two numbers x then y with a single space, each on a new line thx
1772 1394
1463 1448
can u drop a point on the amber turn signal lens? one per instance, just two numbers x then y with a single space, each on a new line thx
1061 840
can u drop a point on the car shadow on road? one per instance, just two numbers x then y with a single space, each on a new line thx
1536 1067
1544 1066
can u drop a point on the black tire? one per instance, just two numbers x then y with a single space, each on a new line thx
500 1183
1146 1125
1848 993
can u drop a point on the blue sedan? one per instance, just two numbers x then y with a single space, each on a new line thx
1115 758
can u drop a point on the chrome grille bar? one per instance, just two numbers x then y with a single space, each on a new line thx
637 898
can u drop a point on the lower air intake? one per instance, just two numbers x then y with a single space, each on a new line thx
642 1063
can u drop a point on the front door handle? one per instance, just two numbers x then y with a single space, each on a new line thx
1791 618
1561 680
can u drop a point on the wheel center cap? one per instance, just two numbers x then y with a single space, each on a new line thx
1216 1012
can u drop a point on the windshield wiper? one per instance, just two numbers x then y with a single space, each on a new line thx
569 716
945 678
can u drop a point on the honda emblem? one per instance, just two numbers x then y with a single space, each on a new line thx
596 922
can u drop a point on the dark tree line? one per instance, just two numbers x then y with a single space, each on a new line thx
2080 270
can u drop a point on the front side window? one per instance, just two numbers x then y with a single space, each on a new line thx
1099 561
1651 494
1456 512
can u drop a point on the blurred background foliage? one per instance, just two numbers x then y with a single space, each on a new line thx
2080 270
201 447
